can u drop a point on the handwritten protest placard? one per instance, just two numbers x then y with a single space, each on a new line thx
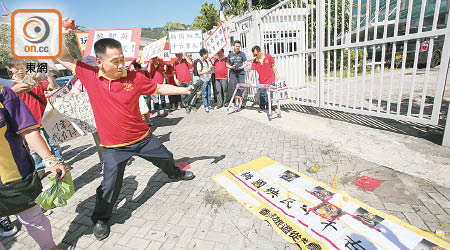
314 216
77 108
154 49
185 41
82 38
58 127
282 92
129 38
216 41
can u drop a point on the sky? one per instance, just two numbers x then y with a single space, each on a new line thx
103 14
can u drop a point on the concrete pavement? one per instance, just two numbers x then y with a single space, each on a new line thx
154 213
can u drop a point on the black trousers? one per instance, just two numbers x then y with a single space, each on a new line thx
115 160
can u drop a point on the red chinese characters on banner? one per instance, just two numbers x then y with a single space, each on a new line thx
129 38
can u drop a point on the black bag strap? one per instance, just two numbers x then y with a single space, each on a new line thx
36 97
157 67
1 92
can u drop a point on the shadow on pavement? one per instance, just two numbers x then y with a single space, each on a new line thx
84 209
190 160
165 137
74 151
164 122
120 215
428 132
86 152
88 176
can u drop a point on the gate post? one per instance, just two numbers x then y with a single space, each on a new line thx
446 139
320 45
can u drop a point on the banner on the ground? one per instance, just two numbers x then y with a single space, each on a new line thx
82 39
156 48
282 92
185 41
58 127
77 108
129 38
216 41
314 216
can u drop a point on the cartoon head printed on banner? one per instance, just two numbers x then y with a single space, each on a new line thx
328 211
322 193
427 245
368 218
289 176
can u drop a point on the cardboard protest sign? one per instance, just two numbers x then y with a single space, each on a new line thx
82 39
314 216
129 38
282 93
168 57
185 41
154 49
216 41
58 127
77 108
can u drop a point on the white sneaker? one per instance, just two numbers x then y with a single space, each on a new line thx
6 227
206 109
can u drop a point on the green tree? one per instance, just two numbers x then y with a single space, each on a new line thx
238 7
208 19
154 33
174 26
5 44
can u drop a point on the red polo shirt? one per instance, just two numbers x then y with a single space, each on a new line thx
115 103
181 70
169 74
36 108
220 68
265 70
158 78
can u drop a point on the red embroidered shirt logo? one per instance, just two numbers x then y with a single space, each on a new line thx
128 86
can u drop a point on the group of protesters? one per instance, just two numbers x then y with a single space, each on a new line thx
114 91
219 77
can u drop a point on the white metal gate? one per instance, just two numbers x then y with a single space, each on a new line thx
386 58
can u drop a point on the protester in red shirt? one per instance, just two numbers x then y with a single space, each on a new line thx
114 93
183 76
173 99
221 72
157 74
36 102
265 66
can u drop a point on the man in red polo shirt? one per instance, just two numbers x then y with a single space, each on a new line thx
221 71
114 93
265 66
182 74
157 74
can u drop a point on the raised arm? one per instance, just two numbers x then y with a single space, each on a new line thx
244 65
188 59
167 89
65 59
37 143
